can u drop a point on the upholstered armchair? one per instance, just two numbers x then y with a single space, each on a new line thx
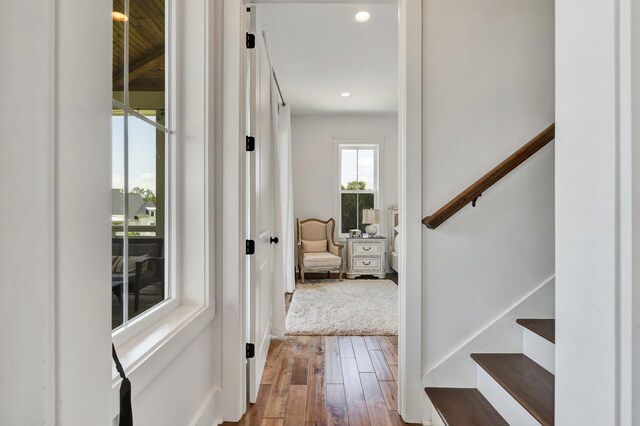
317 249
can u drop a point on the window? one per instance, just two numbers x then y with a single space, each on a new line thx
358 184
179 301
140 129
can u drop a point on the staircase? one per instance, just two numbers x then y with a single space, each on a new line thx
512 388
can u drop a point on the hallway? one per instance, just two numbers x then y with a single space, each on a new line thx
328 380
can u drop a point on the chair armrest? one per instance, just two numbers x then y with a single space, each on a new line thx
159 262
300 254
335 248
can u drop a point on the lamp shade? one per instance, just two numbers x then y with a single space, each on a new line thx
370 216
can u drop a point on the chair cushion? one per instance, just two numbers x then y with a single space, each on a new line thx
321 260
319 246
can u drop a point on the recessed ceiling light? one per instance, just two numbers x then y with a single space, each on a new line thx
119 17
362 16
345 94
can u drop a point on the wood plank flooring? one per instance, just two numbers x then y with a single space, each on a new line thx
328 380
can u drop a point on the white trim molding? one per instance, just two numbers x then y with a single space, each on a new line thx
207 413
377 143
233 396
410 393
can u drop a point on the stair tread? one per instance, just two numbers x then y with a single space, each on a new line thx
464 407
527 382
545 328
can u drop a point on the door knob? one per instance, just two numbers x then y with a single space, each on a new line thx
273 240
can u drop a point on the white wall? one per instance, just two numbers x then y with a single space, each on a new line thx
186 391
186 387
315 164
503 335
54 182
597 199
488 88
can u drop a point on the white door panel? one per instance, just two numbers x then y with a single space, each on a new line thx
260 205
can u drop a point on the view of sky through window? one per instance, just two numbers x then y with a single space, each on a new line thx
142 153
357 165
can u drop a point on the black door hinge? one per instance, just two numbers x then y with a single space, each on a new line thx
251 143
250 350
251 41
250 246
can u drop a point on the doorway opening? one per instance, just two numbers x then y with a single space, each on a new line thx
323 192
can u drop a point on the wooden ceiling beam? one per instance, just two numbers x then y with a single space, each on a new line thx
155 59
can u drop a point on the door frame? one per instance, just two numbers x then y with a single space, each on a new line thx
411 401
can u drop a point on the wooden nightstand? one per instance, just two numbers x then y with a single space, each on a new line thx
366 256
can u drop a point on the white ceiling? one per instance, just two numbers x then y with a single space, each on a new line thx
319 51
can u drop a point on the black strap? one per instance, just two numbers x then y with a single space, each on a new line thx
126 411
117 361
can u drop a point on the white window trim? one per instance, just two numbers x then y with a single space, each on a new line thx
149 343
357 142
155 314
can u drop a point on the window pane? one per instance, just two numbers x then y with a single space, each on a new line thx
138 157
348 168
118 50
365 201
146 235
117 217
366 168
147 46
349 212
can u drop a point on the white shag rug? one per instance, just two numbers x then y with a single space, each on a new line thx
347 308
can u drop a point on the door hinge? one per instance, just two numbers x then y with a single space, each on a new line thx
250 246
251 41
251 143
250 350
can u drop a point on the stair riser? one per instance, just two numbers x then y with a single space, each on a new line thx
436 420
540 350
504 403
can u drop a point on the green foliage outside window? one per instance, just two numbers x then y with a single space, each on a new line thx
147 194
356 185
353 204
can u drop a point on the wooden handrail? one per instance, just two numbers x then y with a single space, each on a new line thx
485 182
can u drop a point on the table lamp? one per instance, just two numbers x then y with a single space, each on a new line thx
370 217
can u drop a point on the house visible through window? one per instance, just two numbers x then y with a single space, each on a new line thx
140 130
358 184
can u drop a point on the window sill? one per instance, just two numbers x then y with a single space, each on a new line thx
145 355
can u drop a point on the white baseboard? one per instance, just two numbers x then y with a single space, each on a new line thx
502 334
207 414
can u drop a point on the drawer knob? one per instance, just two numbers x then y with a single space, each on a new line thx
366 248
367 263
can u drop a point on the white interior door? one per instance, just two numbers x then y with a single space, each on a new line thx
260 205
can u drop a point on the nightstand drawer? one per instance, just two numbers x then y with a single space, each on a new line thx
366 248
364 263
